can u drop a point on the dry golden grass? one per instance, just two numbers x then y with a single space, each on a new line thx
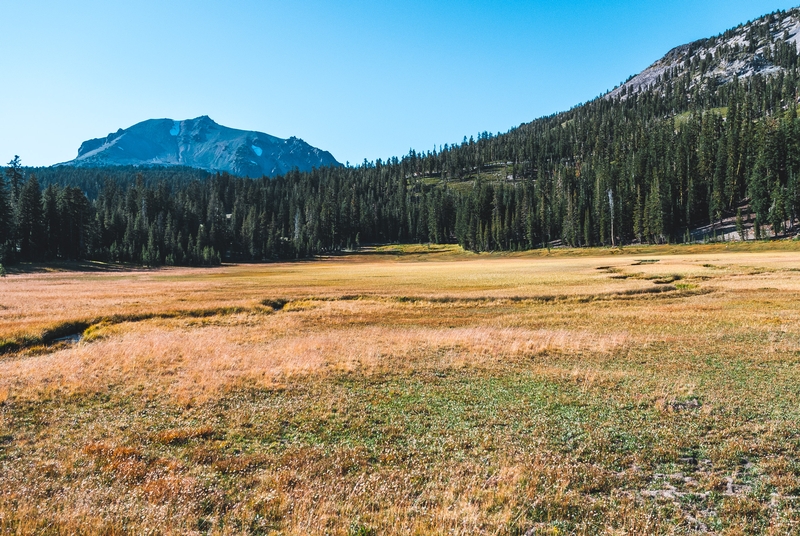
410 391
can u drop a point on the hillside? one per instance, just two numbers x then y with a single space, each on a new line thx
201 143
758 48
687 157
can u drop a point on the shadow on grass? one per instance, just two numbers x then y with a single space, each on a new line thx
72 266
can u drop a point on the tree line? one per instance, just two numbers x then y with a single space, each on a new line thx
646 166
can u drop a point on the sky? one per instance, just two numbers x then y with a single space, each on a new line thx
362 79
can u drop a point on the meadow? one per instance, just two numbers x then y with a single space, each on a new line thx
407 390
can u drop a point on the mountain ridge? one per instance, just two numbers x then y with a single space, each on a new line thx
201 143
682 160
741 52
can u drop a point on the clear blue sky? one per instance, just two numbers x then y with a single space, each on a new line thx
362 79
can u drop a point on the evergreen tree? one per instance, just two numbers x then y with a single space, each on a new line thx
32 242
7 222
51 222
15 178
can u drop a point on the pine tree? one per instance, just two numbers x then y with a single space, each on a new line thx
51 222
7 222
15 179
30 224
740 225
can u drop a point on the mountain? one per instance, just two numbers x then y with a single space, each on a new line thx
201 143
704 145
761 47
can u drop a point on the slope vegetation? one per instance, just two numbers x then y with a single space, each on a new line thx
702 150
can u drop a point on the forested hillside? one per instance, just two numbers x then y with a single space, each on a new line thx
647 163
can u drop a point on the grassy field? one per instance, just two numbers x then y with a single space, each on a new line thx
408 390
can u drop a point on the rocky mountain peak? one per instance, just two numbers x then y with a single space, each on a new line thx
763 46
201 143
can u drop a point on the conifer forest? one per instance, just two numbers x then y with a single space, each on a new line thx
640 167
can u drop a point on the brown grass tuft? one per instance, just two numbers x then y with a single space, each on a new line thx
182 435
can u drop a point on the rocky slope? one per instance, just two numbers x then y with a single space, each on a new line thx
201 143
758 47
